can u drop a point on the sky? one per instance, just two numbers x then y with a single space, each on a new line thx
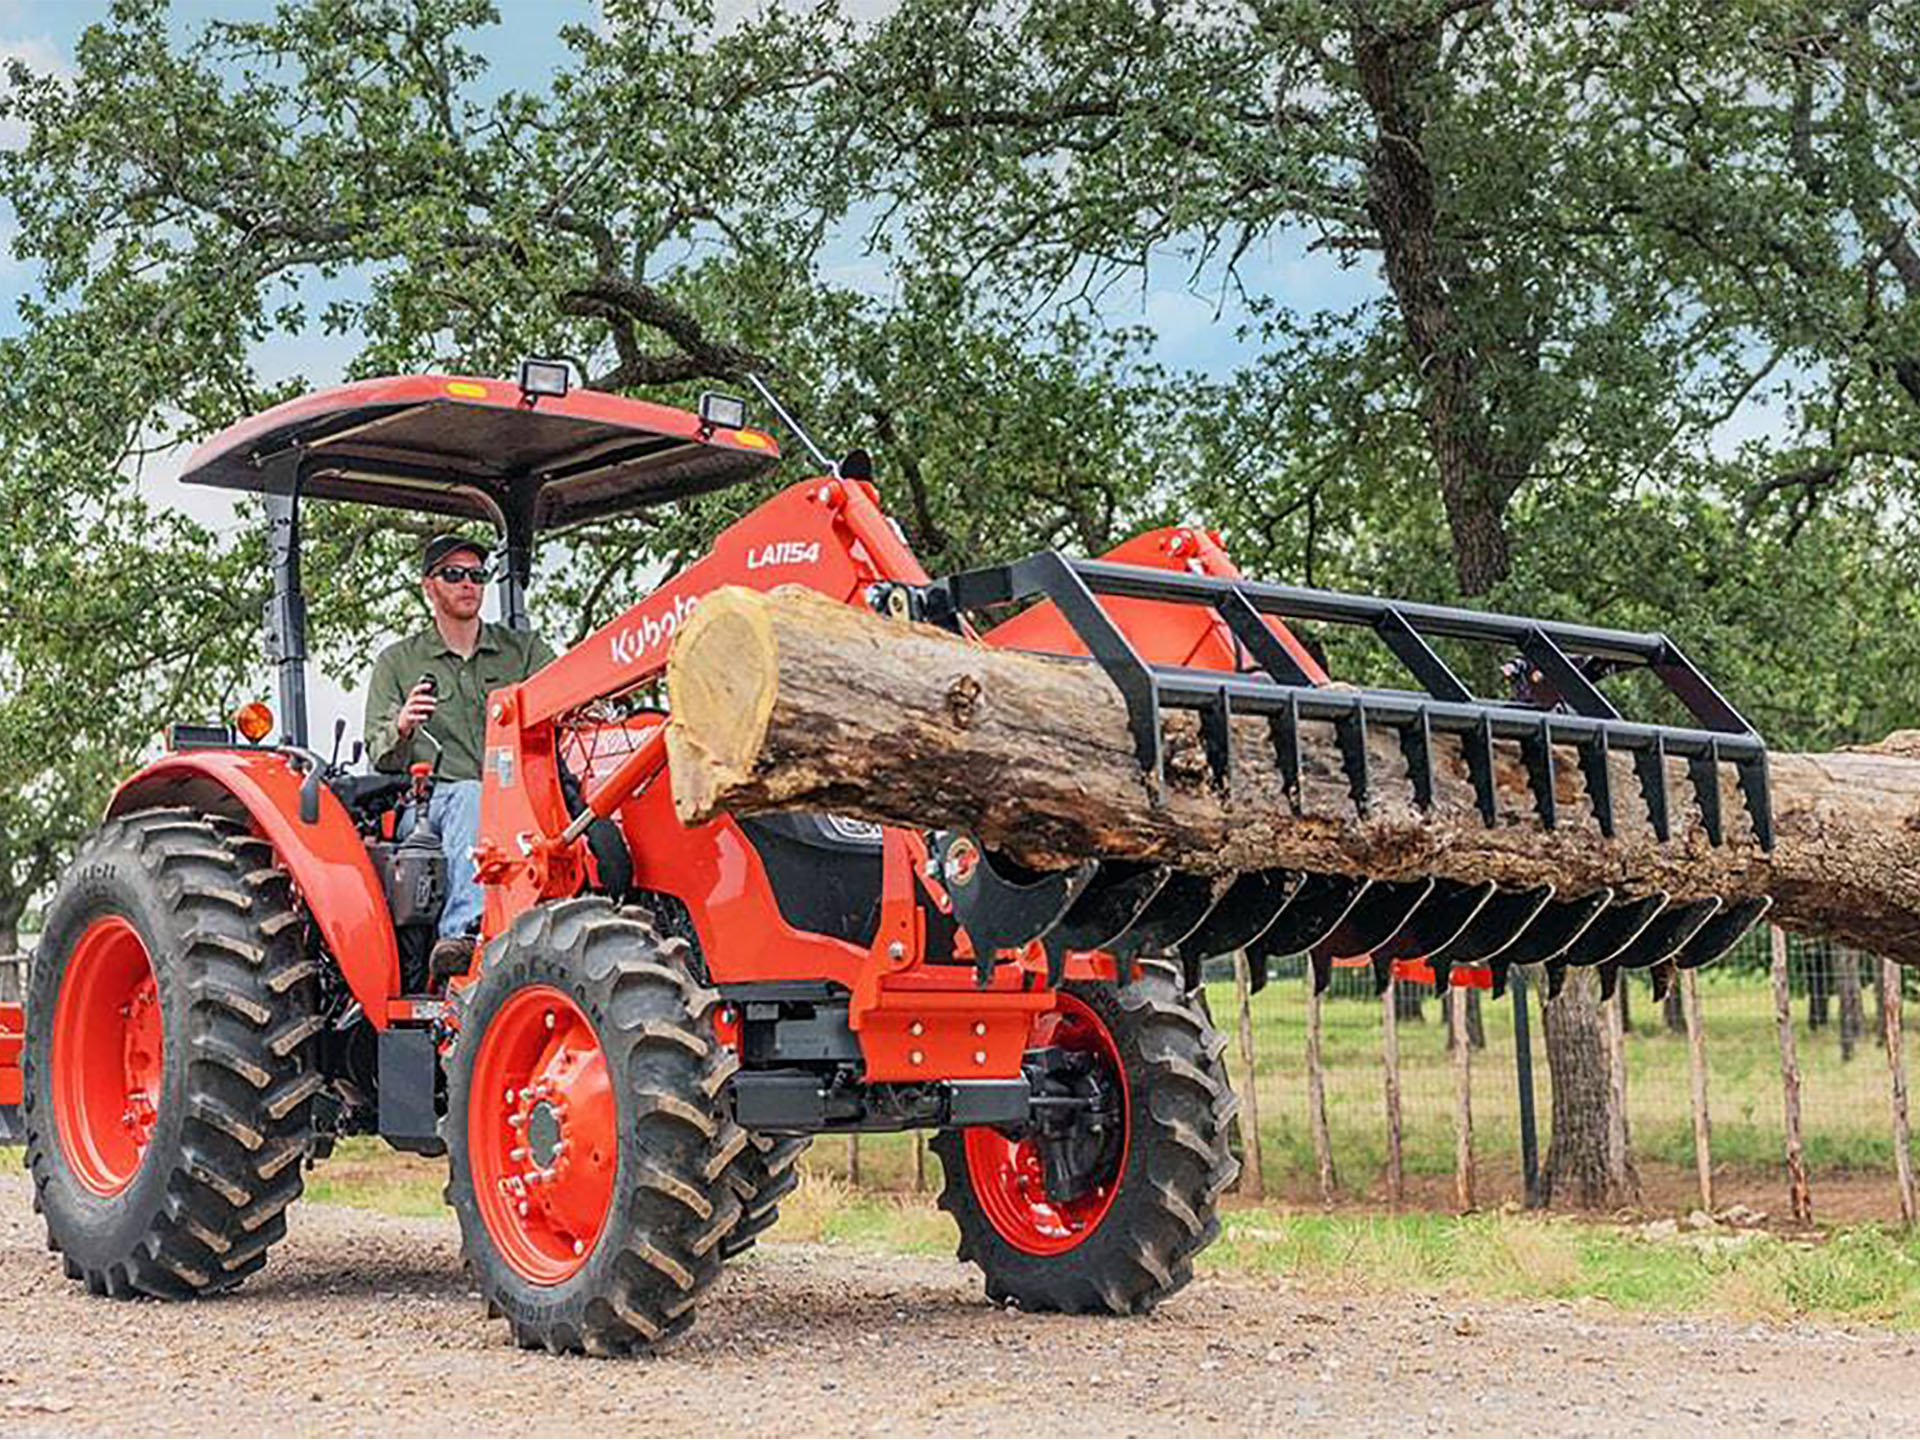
1193 327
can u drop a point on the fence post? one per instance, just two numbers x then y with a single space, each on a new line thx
1799 1197
1689 982
1897 1064
919 1162
1462 1099
1252 1177
1619 1134
1390 1064
1317 1098
853 1159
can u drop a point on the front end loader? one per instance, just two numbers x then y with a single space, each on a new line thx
657 1018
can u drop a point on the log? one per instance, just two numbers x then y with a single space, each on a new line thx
793 701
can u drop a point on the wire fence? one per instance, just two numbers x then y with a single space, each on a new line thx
1844 1077
1845 1080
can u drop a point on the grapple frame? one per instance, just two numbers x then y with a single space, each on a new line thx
1431 924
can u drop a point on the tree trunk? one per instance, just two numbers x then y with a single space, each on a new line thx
1673 1011
1407 1002
1582 1166
794 701
1846 989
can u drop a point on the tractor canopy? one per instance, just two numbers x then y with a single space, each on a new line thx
483 450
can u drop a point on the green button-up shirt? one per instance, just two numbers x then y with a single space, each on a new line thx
459 723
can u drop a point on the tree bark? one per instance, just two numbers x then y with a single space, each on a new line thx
1582 1166
793 701
1846 989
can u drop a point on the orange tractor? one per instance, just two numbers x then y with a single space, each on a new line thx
656 1019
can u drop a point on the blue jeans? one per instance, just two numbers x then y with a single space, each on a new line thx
455 812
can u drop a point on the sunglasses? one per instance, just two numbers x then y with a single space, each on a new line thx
454 574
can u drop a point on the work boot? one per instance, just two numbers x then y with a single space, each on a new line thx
452 955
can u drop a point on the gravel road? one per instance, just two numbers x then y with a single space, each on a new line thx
362 1323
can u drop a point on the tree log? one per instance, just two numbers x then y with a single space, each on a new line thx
792 701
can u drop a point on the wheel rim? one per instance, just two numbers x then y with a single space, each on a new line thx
107 1056
1006 1174
542 1134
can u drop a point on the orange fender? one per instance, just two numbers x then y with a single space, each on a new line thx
328 860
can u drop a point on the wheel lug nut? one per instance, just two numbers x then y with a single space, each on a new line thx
550 1021
523 1208
579 1247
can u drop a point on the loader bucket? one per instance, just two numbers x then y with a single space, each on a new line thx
1129 908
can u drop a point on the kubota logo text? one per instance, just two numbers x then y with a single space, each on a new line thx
784 552
639 639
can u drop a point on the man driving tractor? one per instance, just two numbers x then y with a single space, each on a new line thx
437 682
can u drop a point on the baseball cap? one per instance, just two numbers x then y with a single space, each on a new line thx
441 546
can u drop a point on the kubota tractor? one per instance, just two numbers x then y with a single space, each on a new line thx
657 1019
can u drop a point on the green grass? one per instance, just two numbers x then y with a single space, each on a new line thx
1844 1104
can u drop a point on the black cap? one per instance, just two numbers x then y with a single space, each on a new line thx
441 546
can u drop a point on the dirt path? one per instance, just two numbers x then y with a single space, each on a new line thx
362 1323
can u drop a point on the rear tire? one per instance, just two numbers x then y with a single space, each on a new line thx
764 1175
589 1132
170 1065
1135 1245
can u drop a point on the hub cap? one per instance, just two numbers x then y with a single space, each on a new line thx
106 1059
1008 1175
542 1134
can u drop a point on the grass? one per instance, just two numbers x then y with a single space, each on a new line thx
1844 1104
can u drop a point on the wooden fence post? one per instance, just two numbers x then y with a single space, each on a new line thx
1317 1098
1799 1197
919 1162
1252 1177
1897 1065
1689 982
1462 1100
1619 1134
1390 1066
853 1159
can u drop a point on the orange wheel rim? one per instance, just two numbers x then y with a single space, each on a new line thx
1007 1175
542 1134
107 1056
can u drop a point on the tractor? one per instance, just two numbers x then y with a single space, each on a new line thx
657 1019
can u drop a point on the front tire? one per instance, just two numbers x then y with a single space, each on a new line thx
1128 1241
170 1067
589 1133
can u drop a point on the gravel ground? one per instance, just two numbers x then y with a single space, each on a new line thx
362 1323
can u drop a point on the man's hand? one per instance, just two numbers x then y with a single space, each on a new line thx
418 708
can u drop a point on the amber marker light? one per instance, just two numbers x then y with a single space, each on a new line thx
253 720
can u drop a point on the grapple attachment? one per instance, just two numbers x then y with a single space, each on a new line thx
1129 908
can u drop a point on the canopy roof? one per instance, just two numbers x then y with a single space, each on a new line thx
480 449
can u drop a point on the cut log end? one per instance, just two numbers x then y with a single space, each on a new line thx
721 703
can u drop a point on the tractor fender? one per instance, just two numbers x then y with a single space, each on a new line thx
327 859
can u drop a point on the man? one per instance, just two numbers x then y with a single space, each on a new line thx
467 658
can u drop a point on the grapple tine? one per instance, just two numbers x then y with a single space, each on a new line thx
1556 977
1320 965
1671 929
1759 798
1704 771
1252 903
1609 980
1556 927
1651 766
1507 915
1170 916
1416 747
1477 743
1722 932
1321 904
1500 969
1375 917
1351 732
1662 976
1109 906
1615 930
1593 767
1438 921
1536 749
